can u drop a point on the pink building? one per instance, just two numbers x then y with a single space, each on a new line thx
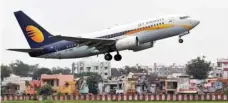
223 65
56 79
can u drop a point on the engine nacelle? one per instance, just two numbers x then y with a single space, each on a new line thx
142 46
127 43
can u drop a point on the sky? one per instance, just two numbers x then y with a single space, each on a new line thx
79 17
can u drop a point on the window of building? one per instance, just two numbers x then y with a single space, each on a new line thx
89 69
106 73
57 82
106 68
81 68
96 67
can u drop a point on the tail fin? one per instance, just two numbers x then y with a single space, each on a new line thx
34 33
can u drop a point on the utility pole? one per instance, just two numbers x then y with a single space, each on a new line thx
73 68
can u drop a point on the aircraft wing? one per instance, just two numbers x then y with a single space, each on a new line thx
99 43
26 50
79 39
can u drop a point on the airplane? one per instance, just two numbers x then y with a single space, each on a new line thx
136 36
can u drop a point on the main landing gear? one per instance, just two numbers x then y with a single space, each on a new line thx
108 57
117 57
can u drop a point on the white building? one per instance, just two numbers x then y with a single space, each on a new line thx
91 65
21 81
148 68
164 71
223 65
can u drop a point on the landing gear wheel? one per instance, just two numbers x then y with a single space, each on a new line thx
117 57
108 57
181 40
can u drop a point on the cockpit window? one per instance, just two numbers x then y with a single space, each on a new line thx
184 17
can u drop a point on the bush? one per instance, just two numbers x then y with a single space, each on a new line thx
226 91
45 90
59 94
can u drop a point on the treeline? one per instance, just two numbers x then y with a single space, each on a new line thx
20 68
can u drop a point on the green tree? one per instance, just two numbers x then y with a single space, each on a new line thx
198 68
38 72
20 68
45 90
58 70
5 71
92 81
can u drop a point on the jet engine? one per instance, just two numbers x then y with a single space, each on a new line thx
127 43
143 46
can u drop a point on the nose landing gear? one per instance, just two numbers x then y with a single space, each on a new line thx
180 40
182 34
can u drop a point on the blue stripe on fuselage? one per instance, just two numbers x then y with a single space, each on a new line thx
54 47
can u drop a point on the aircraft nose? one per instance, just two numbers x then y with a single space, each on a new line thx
195 22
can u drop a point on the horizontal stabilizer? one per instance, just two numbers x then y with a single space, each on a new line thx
26 50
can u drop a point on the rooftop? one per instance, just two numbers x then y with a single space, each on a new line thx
56 76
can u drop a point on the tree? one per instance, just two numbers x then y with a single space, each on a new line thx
38 72
58 70
198 68
92 81
5 71
21 69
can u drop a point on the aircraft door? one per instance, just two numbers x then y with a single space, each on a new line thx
171 21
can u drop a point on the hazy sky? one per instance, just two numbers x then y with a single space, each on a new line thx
75 18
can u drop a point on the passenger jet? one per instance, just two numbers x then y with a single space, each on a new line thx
135 36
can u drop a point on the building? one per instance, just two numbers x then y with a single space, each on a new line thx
112 84
17 80
89 65
215 73
164 71
223 65
56 79
10 89
147 68
82 85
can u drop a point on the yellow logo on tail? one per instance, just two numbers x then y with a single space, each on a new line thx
35 34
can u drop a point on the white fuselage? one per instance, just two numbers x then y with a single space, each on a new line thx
147 31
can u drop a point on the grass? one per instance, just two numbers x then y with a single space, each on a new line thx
114 101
